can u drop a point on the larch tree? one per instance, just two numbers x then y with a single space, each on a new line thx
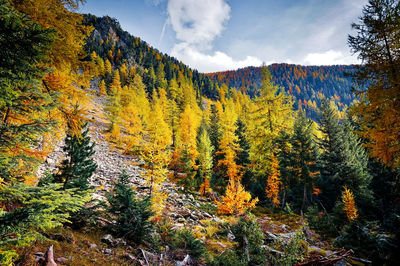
272 113
349 204
187 148
156 154
236 199
377 42
24 103
273 182
205 159
69 71
102 88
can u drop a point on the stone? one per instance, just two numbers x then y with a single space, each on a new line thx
62 260
129 256
108 239
231 237
107 251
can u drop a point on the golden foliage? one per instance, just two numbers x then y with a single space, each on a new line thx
156 154
274 182
349 204
236 200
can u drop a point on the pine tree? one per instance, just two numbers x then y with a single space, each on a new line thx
77 169
215 132
28 212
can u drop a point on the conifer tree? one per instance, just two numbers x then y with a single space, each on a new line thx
28 212
236 200
376 41
273 182
304 156
205 150
132 215
272 113
156 154
343 161
77 169
102 88
215 132
349 205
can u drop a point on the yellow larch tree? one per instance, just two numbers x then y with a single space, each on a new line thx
156 154
205 151
236 199
102 88
228 145
271 113
349 204
130 120
116 82
274 182
188 126
66 78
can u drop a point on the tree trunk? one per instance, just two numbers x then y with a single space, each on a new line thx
49 257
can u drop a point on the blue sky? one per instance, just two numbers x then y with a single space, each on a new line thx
215 35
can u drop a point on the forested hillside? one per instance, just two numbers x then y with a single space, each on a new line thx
112 43
113 153
306 83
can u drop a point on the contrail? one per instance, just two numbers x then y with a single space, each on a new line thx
162 32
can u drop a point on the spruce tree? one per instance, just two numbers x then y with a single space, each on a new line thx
284 153
132 215
343 161
304 156
76 170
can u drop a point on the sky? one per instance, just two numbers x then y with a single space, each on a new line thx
217 35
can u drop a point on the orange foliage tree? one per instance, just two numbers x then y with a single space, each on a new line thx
274 182
349 204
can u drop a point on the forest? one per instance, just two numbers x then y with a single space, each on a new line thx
160 164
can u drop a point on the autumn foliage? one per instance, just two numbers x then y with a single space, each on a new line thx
349 204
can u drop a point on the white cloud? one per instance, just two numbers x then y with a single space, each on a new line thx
197 24
218 61
330 57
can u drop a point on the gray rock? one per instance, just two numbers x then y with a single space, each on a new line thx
108 239
62 260
92 245
107 251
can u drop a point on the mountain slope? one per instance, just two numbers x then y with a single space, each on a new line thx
305 83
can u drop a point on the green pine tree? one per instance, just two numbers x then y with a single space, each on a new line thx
78 167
